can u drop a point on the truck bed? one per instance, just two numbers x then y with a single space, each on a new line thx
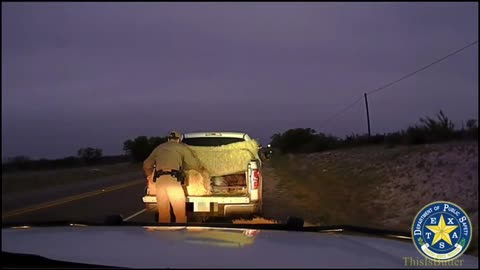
231 185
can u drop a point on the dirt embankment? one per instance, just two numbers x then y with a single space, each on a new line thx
373 186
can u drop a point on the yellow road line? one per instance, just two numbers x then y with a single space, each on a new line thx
69 199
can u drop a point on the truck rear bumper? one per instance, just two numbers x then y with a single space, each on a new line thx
200 199
212 206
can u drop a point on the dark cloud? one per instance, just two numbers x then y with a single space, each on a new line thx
78 74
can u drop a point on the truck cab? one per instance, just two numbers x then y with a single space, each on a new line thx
233 195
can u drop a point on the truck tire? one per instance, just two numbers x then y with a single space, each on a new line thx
259 208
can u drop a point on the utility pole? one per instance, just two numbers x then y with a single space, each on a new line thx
368 116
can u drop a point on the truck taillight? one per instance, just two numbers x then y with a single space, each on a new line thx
255 179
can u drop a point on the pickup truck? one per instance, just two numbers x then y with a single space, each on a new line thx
233 195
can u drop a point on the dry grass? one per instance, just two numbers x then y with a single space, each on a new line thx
256 220
327 193
374 186
261 220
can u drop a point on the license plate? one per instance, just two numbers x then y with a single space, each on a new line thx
149 199
201 207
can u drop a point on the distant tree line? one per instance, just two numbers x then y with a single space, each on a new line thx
85 157
141 147
136 150
299 140
429 130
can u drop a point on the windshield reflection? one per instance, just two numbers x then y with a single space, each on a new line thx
222 237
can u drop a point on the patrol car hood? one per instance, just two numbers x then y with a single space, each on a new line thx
160 247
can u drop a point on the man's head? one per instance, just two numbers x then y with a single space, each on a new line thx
174 136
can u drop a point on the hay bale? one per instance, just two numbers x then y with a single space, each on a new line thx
226 159
219 181
198 183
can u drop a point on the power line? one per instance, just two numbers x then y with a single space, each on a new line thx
398 80
342 111
423 68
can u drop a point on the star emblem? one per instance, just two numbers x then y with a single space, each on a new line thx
442 231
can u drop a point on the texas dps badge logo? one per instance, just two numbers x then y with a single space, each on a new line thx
441 231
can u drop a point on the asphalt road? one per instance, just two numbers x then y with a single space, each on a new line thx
89 206
37 195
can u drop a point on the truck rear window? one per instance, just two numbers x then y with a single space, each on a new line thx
211 141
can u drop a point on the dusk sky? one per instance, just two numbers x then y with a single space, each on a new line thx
96 74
